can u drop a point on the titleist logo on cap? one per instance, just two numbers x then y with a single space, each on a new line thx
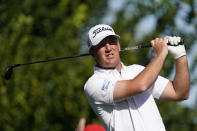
99 32
101 29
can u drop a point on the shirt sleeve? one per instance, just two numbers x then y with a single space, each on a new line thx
100 90
159 86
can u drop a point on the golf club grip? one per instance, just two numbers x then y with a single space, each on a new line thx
148 45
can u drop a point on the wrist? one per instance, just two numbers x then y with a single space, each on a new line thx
163 54
162 57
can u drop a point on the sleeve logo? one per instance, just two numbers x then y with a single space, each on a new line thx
105 84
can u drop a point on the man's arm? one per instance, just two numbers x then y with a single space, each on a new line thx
143 81
179 88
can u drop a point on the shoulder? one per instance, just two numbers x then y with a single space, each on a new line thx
93 81
98 83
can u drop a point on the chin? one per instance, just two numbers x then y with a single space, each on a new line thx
111 65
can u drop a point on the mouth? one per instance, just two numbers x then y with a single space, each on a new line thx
109 56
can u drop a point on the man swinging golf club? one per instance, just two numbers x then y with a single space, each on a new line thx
123 96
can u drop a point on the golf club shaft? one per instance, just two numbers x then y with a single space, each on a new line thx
80 55
9 69
51 59
87 54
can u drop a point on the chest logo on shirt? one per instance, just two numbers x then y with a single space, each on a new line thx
105 84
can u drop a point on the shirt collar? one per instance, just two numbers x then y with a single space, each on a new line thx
102 70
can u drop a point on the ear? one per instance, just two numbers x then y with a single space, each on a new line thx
118 46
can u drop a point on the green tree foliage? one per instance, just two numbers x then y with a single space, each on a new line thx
50 96
46 96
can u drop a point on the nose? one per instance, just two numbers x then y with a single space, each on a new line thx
107 48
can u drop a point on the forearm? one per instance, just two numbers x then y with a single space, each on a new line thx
181 82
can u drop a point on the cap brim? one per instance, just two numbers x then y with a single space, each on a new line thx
117 36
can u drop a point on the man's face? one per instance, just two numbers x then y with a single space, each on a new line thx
106 53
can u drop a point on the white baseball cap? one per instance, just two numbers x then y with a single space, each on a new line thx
97 33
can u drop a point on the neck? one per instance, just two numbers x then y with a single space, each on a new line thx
118 67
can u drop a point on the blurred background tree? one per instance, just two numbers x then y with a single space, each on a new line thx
50 96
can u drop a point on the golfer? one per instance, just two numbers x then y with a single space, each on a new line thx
123 96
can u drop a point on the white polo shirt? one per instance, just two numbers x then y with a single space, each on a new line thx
136 113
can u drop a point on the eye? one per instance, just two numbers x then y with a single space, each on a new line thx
113 42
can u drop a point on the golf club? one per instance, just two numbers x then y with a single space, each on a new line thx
10 68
